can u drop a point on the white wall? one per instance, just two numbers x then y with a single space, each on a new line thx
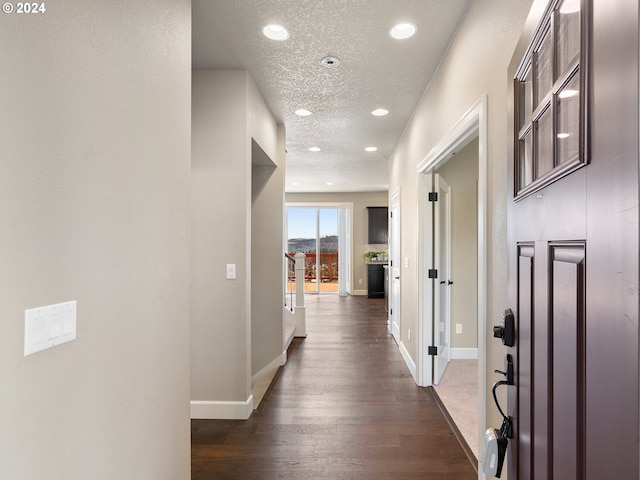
94 181
227 114
475 64
267 258
360 203
220 196
267 220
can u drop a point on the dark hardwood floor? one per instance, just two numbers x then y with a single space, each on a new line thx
344 407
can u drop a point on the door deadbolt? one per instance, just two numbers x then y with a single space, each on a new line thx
506 330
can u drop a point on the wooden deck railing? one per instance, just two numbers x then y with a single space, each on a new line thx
290 286
328 267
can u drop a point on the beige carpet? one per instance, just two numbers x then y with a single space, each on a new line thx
458 390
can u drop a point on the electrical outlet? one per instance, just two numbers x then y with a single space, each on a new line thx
458 328
359 281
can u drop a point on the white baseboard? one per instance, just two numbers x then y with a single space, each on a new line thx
222 410
359 292
409 361
464 354
269 369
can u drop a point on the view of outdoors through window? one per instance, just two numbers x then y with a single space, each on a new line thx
312 231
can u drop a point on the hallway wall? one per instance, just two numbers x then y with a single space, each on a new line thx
475 64
94 181
267 257
228 113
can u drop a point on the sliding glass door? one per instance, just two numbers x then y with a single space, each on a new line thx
321 233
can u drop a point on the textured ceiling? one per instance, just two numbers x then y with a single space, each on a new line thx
375 71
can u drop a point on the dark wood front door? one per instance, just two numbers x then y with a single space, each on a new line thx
573 242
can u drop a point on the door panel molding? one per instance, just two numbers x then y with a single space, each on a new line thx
520 406
567 318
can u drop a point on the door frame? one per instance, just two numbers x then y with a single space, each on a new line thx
471 125
395 245
349 231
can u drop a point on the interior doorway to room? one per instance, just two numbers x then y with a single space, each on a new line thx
322 234
457 388
455 321
394 267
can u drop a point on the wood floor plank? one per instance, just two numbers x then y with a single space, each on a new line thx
344 407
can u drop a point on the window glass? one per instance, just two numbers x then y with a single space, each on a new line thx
543 69
568 37
526 160
568 101
544 143
550 125
526 99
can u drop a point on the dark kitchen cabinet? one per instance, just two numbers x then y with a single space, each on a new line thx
378 225
375 280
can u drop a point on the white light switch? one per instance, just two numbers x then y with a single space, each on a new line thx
46 327
231 271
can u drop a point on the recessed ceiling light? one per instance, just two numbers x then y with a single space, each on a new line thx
380 112
302 112
563 135
329 183
371 149
402 31
314 149
295 183
275 32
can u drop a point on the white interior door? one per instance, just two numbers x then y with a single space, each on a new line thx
394 268
442 290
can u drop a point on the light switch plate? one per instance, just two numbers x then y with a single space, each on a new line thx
46 327
231 271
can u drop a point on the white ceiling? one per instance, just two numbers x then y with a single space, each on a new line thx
376 71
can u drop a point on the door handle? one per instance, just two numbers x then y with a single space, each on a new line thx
397 278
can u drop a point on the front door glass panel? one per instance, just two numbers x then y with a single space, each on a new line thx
550 102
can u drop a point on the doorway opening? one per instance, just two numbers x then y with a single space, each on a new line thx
456 378
322 233
447 308
393 270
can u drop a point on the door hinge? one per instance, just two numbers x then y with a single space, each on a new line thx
433 273
433 196
433 350
391 311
